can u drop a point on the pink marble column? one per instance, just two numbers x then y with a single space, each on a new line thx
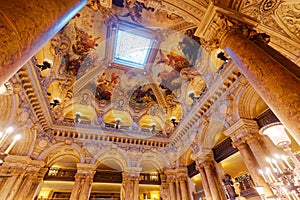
252 166
87 187
177 188
31 183
259 154
83 181
136 188
25 26
184 189
220 176
130 185
211 181
20 168
204 182
278 87
172 190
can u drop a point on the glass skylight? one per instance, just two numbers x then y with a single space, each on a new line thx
131 50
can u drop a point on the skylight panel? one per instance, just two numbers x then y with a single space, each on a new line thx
131 49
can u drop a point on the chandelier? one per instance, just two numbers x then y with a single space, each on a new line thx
283 172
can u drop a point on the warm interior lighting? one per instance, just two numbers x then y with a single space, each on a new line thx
283 173
153 128
260 190
55 102
117 125
277 134
9 130
77 117
173 121
131 49
17 137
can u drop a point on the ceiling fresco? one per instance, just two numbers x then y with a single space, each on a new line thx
85 87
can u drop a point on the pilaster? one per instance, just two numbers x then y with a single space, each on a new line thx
83 181
20 184
130 183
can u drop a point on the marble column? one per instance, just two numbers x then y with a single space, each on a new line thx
220 176
172 190
211 180
164 187
240 133
277 86
83 181
259 154
177 189
252 166
126 190
37 183
16 167
32 179
136 192
183 188
274 84
130 184
174 186
25 26
200 168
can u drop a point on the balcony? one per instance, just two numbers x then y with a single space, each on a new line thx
57 174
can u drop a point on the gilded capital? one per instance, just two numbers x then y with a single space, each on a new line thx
217 22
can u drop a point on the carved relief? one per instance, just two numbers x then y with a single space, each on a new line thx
289 17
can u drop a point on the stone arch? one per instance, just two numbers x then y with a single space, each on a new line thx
115 155
208 138
186 158
59 151
154 159
25 146
246 100
8 105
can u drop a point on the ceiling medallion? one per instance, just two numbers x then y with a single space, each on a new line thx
268 6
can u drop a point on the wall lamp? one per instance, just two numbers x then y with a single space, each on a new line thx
173 121
54 103
117 125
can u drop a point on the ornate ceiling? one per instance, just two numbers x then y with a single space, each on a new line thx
74 94
85 88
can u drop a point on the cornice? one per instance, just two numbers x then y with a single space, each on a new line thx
222 83
34 96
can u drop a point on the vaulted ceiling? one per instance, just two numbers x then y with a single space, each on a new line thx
91 79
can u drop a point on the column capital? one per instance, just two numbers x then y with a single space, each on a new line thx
203 155
217 21
242 128
85 169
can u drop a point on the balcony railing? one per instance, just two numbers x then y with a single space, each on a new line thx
150 178
101 176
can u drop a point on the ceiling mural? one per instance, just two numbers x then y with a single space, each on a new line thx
93 75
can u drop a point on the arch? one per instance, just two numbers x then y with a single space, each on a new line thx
155 159
25 146
59 151
210 133
246 100
116 155
186 158
8 105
